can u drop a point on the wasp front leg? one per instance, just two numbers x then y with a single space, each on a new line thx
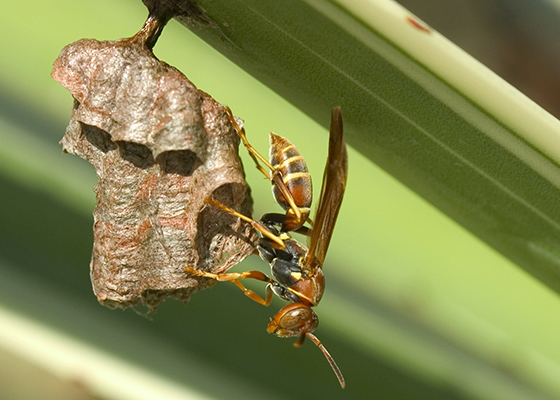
274 241
234 278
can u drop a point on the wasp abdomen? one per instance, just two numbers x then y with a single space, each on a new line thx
286 159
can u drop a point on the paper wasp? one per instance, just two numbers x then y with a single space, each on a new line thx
296 269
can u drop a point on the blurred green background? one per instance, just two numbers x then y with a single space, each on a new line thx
416 307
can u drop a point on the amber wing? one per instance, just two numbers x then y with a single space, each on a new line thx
332 191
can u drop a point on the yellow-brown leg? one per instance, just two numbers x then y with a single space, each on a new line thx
253 296
275 174
234 278
255 155
277 177
256 224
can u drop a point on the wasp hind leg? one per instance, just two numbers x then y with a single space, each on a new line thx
255 155
274 175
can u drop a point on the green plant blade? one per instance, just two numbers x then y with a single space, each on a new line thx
417 106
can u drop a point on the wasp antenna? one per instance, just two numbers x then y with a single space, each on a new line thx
329 358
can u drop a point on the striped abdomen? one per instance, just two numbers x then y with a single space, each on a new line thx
285 158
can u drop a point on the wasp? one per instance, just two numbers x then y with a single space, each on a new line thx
297 274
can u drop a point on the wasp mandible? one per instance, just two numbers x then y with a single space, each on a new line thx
297 274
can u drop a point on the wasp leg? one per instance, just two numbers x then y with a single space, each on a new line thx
304 230
255 155
278 179
234 278
282 219
275 174
253 296
279 243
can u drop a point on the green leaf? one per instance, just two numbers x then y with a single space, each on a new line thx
418 107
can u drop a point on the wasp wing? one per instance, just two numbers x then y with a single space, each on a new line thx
332 191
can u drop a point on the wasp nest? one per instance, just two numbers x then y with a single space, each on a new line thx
160 147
